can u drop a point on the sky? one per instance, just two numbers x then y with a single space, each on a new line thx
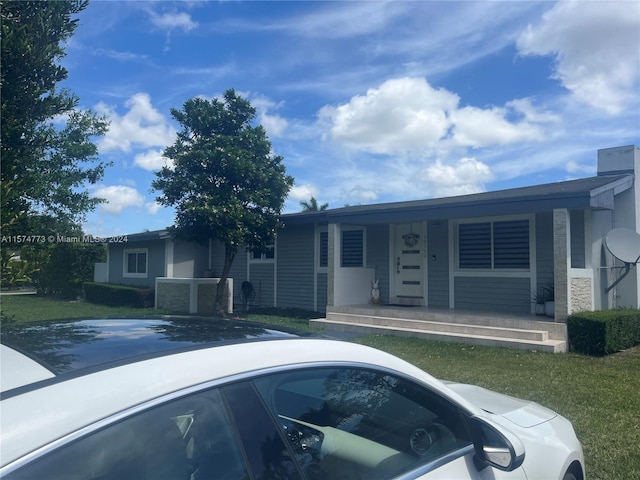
366 101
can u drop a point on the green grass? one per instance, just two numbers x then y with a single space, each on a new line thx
30 308
601 396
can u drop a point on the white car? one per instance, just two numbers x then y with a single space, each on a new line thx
175 398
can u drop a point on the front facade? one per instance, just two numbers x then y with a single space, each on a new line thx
492 251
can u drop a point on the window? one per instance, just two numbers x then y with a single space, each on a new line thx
352 248
263 256
361 423
193 435
135 263
494 245
323 261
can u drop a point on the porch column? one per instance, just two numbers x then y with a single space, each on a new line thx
561 262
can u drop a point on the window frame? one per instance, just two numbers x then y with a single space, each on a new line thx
323 250
125 263
530 244
268 256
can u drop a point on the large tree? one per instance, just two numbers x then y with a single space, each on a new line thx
48 155
225 182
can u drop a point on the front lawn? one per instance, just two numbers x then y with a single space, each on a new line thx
601 396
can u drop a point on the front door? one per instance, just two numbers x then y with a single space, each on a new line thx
409 244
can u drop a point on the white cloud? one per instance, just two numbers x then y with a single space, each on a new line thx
407 115
118 197
303 192
171 21
596 46
142 126
475 127
153 207
401 115
152 160
466 176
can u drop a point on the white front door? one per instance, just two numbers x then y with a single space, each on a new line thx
409 244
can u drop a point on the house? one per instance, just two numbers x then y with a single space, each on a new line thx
483 252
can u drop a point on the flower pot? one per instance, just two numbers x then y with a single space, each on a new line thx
550 309
540 309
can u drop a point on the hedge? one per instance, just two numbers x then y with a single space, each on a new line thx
118 295
604 332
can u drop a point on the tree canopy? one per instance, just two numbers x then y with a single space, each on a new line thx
47 151
225 183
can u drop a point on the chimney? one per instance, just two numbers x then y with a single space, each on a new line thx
619 160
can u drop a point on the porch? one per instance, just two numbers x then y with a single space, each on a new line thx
525 332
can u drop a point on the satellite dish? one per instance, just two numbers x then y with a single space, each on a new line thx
624 244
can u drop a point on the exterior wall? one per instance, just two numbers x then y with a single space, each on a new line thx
155 263
626 215
544 251
321 298
262 279
296 267
377 255
438 264
190 260
578 258
512 295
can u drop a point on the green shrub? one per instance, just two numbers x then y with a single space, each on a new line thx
604 332
118 295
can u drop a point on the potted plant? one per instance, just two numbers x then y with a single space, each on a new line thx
549 302
539 298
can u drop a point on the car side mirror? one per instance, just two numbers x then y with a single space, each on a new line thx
495 445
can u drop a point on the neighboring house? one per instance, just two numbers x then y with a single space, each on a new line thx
485 252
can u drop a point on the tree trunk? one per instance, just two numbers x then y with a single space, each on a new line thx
219 305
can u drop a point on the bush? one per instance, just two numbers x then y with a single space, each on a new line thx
118 295
604 332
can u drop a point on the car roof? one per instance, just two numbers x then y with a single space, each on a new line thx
63 348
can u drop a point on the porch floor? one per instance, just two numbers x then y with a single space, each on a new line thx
528 332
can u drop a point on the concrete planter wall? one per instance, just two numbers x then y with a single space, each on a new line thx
191 295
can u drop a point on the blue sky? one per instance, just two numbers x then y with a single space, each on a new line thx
367 102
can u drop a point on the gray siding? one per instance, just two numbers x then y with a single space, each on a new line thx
155 263
511 295
544 249
322 292
296 267
438 263
577 239
261 277
190 260
378 257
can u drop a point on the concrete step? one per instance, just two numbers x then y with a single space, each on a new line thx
548 345
556 330
441 326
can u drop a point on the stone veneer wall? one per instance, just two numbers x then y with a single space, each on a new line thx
581 294
173 296
206 296
176 294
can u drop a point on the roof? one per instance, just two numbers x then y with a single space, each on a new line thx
593 192
79 346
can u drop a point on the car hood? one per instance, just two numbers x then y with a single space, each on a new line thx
523 413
